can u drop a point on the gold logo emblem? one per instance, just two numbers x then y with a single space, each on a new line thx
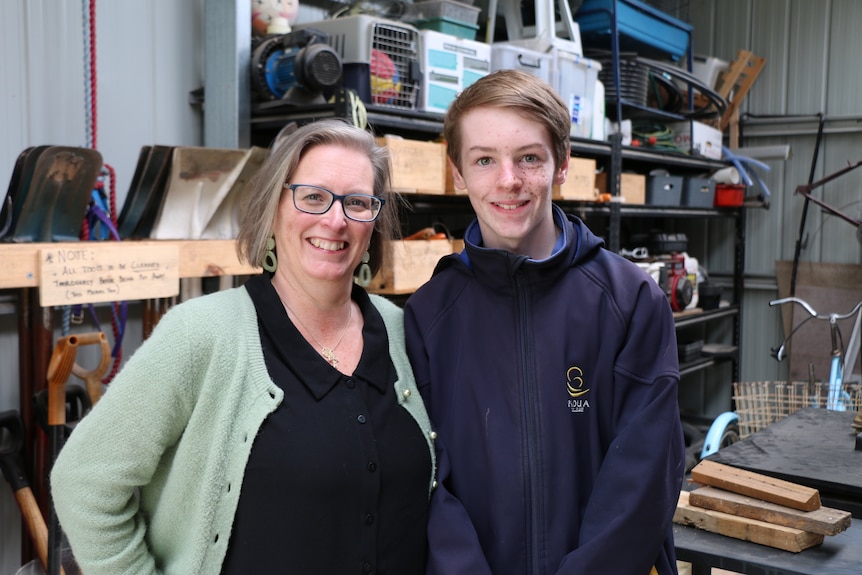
575 382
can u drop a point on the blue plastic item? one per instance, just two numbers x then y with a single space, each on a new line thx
641 28
714 435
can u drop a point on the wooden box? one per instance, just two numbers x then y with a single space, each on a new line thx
412 263
417 167
632 187
580 181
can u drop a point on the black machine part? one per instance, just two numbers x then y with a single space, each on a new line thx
314 66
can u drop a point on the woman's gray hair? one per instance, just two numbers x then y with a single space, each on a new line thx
263 192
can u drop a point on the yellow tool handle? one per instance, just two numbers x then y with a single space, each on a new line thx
59 369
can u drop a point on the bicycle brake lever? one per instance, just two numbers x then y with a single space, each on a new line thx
778 354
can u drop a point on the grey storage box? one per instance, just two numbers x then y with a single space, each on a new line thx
698 192
664 190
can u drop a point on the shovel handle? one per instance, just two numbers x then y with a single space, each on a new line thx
35 523
59 369
93 377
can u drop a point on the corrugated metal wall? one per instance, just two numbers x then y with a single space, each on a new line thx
811 70
150 57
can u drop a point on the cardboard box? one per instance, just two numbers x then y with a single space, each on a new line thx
632 187
418 167
580 181
707 140
412 263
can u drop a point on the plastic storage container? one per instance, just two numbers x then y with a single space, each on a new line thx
449 9
664 190
729 195
449 64
641 28
448 26
575 79
509 57
698 192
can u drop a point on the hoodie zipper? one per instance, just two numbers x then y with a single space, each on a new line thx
530 435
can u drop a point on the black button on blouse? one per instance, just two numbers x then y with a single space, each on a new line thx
337 480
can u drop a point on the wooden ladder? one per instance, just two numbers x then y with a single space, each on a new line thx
736 81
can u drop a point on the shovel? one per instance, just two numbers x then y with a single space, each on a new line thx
19 183
57 195
199 181
146 192
59 369
11 439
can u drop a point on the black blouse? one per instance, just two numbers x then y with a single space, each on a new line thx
337 480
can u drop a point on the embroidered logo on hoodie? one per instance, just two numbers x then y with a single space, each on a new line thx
576 390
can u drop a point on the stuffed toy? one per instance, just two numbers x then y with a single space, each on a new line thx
272 16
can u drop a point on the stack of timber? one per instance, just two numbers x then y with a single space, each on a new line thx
757 508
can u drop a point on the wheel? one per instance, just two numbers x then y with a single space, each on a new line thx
724 431
730 436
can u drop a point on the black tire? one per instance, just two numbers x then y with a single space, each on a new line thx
730 435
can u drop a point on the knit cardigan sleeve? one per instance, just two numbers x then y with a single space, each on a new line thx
159 403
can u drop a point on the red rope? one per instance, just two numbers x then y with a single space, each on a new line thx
93 83
111 176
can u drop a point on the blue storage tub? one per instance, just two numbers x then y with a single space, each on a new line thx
641 28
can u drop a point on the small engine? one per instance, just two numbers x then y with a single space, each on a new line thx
675 282
299 67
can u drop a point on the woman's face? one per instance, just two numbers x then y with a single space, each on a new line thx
324 247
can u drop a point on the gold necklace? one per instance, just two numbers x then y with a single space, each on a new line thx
328 353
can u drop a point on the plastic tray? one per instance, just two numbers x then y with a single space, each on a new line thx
457 11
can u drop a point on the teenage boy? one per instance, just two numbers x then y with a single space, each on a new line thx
548 364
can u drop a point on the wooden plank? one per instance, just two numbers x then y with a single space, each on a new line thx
826 520
777 536
756 485
198 258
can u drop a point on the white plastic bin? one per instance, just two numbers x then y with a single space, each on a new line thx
506 56
449 64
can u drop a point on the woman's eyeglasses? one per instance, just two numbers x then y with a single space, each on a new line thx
317 200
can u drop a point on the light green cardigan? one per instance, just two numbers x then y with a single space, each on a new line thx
178 423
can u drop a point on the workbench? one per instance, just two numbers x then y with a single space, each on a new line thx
838 554
812 447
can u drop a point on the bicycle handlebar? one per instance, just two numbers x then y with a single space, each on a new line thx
832 317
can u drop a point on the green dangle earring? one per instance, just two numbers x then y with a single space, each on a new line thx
270 262
363 278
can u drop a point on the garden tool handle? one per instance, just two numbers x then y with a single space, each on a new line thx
93 378
59 369
35 523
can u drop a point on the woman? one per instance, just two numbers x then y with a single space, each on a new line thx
270 428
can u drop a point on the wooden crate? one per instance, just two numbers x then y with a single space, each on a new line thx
418 167
412 263
580 181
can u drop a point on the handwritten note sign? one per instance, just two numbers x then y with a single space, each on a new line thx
72 275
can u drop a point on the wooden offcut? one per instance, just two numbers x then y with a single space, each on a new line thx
761 532
756 485
826 520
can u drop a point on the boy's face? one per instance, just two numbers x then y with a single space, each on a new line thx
507 167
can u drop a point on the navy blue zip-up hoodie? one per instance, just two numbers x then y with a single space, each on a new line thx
553 388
